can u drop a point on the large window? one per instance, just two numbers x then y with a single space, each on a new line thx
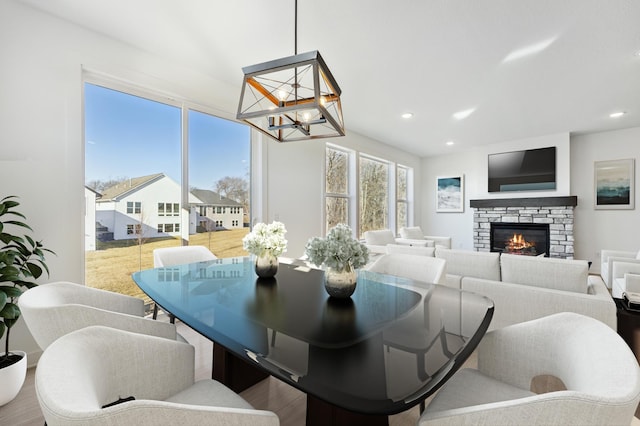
157 168
337 194
402 197
383 196
373 194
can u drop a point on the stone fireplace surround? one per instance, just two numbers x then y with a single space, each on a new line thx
556 211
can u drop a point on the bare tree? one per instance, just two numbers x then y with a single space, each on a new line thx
336 187
100 185
373 195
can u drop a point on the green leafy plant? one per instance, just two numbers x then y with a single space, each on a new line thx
22 261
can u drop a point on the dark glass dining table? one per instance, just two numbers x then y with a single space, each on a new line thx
385 349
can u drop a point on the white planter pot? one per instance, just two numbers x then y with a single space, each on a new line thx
12 378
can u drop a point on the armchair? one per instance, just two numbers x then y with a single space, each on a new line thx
103 376
623 277
608 257
599 371
55 309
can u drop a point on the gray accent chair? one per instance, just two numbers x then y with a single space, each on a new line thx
599 371
55 309
103 376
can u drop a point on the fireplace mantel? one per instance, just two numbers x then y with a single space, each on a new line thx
570 201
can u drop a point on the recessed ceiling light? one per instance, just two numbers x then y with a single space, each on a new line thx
449 143
617 114
529 50
407 115
461 115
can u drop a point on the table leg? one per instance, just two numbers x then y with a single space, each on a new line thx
234 372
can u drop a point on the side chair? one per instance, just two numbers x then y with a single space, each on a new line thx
100 376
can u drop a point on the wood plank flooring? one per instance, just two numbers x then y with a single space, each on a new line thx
271 394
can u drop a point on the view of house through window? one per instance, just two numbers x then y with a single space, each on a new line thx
135 198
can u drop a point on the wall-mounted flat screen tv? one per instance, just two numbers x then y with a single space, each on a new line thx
526 170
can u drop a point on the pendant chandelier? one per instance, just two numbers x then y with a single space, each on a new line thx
293 98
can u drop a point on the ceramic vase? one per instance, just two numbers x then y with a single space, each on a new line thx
340 283
266 265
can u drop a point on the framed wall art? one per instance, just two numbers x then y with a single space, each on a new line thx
450 193
614 185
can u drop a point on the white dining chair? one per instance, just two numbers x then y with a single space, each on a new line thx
58 308
102 376
179 255
597 368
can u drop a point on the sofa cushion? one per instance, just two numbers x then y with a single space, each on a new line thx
560 274
411 242
467 263
412 232
380 237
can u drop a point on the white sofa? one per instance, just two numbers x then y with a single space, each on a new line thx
534 287
378 240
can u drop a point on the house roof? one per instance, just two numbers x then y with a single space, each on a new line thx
121 189
211 198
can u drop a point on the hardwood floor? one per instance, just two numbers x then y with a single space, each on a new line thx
271 394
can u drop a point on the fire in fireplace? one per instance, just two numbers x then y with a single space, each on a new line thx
530 239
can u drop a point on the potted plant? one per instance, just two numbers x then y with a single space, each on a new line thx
342 255
22 261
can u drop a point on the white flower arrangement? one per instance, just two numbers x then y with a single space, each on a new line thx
339 250
266 239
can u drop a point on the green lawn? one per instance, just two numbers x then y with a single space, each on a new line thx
111 266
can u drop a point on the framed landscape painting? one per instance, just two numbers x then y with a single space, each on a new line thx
450 194
614 185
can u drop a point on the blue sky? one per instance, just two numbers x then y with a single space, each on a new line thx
128 136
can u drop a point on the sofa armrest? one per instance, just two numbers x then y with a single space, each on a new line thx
376 248
516 303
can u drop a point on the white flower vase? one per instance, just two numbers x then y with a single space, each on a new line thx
266 265
12 378
340 283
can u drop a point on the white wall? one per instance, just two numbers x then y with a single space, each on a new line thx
41 136
595 230
473 165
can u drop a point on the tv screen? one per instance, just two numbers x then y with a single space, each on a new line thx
526 170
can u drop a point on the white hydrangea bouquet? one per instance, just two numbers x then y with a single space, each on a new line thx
266 239
339 250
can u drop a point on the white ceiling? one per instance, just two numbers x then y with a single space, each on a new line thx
429 57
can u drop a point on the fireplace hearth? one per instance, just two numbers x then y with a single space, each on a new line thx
528 239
